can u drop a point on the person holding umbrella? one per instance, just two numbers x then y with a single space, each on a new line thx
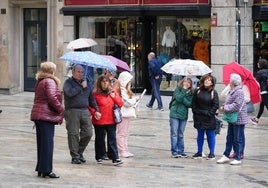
262 78
77 98
235 102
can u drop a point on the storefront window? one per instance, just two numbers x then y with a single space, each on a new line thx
185 38
260 42
118 37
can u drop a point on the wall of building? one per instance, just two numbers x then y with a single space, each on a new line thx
223 36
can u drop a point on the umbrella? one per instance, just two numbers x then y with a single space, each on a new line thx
90 59
247 78
120 65
186 67
81 43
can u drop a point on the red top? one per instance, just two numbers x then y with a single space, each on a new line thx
106 104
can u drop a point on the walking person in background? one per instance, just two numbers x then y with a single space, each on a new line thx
106 98
205 106
180 103
155 77
235 102
128 111
262 78
77 98
47 111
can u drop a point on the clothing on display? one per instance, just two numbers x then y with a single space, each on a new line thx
169 38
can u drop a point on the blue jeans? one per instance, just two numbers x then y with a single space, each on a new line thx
234 139
177 127
155 83
210 139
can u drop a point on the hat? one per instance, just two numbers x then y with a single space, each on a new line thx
124 78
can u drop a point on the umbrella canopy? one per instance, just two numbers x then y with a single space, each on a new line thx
90 59
81 43
120 65
186 67
247 78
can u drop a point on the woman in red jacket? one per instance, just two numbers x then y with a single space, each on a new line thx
47 111
105 98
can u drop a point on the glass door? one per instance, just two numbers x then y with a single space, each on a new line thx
35 42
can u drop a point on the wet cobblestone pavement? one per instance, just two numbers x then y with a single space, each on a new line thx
149 140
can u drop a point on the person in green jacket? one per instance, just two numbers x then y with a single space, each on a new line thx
179 105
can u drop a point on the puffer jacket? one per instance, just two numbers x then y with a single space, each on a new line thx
106 104
205 105
47 100
182 101
234 101
261 77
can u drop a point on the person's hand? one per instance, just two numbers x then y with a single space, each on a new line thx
97 115
138 98
112 94
84 83
221 110
156 77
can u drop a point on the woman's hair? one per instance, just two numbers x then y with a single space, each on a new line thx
180 84
129 91
202 81
98 88
235 79
263 64
48 67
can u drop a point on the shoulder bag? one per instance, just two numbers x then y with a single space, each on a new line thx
117 114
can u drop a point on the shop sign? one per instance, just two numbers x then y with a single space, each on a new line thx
133 2
260 1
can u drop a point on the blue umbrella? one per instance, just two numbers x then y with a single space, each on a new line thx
90 59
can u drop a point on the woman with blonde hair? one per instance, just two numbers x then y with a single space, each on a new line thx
47 111
179 105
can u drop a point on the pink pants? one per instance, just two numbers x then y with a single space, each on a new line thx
122 135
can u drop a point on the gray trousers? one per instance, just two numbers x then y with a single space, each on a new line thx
79 130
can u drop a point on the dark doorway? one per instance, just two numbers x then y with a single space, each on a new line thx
35 44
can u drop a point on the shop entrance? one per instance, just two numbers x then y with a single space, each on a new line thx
35 41
260 42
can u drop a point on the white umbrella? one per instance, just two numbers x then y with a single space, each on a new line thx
81 43
186 67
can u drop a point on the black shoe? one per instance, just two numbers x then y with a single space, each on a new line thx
50 175
117 162
82 159
76 161
39 174
0 111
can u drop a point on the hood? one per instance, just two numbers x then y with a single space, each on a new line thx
124 78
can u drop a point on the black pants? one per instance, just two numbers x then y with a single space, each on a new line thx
45 146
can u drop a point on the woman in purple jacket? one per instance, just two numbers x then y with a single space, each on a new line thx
47 111
234 103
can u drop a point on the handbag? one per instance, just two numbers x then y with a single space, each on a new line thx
250 107
230 117
117 114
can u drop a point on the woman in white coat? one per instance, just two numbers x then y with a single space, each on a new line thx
128 111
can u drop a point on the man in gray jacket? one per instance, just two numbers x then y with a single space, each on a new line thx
77 98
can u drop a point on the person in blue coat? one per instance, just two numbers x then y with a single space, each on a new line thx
155 77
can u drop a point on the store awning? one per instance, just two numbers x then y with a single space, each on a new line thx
179 10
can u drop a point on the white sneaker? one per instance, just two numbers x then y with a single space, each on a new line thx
223 159
235 162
